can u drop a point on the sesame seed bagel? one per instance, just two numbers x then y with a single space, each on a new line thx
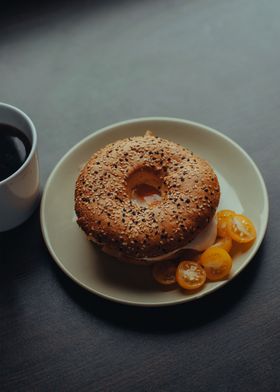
107 211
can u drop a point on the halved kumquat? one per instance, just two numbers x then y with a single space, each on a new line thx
164 272
224 243
216 262
241 229
190 275
222 222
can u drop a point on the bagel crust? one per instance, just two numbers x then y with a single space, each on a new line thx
109 216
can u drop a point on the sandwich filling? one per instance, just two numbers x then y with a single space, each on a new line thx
203 241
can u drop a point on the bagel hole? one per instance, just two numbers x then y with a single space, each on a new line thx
145 187
146 194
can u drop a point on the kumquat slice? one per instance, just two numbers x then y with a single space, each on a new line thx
190 275
224 243
164 272
222 221
216 262
241 229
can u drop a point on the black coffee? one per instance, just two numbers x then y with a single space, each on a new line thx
14 150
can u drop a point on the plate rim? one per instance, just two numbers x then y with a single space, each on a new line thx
140 120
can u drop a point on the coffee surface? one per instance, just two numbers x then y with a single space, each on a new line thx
14 150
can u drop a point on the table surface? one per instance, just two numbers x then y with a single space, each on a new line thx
75 67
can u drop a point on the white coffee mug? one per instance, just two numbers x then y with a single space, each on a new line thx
19 193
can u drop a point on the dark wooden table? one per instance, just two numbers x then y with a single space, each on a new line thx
75 67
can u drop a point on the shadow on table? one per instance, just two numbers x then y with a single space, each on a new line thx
168 319
53 9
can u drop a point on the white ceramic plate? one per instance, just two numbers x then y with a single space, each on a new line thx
242 190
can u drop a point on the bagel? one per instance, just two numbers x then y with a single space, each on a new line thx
143 199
